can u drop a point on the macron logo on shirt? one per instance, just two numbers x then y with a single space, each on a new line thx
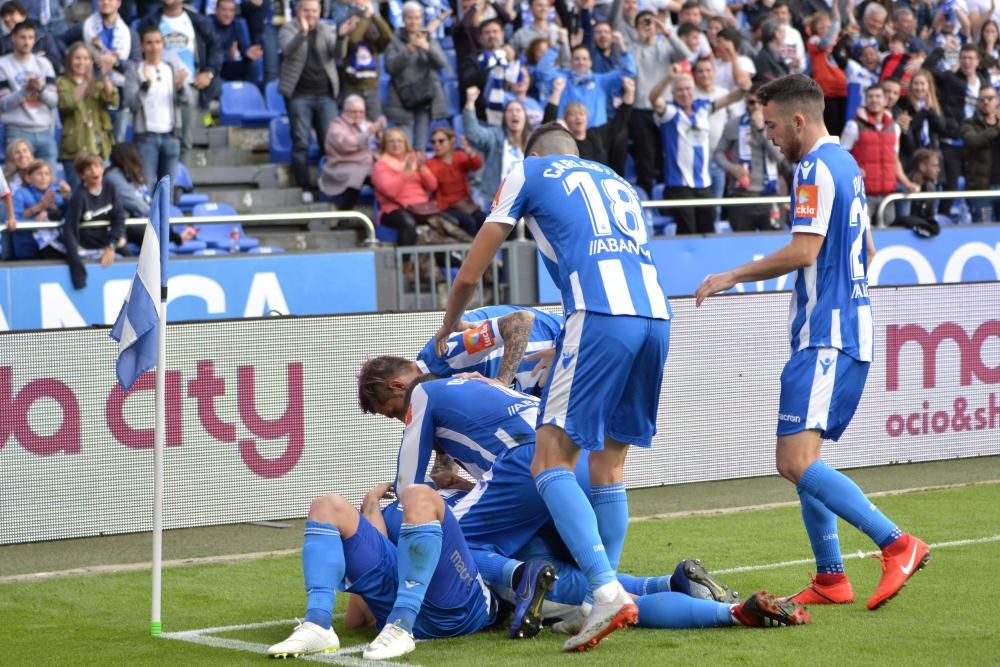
806 168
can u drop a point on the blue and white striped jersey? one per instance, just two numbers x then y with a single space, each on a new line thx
859 80
472 421
481 349
590 229
685 138
830 306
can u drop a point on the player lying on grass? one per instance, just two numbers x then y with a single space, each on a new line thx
513 344
425 586
688 598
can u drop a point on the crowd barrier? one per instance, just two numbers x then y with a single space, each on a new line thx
262 414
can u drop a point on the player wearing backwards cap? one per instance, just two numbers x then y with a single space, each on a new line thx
831 330
604 388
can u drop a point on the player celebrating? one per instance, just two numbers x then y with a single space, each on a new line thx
590 229
512 344
831 335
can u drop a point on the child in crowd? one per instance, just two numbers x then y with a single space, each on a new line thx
36 200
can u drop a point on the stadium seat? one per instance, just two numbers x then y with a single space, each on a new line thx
450 85
663 225
275 102
242 105
218 236
280 142
184 193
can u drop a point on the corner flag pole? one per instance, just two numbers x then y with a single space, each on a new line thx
161 219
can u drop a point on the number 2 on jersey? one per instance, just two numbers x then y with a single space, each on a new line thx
625 207
859 219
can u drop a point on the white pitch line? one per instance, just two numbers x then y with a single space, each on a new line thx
239 558
859 554
200 636
344 656
795 503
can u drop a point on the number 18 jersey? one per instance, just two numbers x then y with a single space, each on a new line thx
830 305
591 231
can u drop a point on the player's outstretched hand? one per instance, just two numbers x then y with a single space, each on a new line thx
713 284
543 364
476 375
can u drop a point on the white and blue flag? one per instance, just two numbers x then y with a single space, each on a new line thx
136 326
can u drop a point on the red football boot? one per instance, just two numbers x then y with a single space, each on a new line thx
825 589
900 561
762 610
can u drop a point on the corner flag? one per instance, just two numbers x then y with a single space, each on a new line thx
136 326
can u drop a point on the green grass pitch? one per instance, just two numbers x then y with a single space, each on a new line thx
945 616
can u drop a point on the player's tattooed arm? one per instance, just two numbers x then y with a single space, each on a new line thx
515 329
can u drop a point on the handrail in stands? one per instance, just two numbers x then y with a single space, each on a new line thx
916 196
251 219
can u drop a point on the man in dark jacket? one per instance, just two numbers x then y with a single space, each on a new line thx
981 136
957 92
191 37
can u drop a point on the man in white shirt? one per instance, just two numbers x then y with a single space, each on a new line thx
705 89
152 89
794 49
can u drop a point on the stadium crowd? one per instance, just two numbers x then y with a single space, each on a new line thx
663 91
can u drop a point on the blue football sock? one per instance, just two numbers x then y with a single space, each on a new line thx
611 509
644 585
843 497
679 611
821 526
577 525
323 568
495 569
418 552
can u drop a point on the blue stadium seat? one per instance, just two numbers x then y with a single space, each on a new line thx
451 95
217 236
280 139
663 225
242 104
187 199
383 88
188 247
630 175
275 102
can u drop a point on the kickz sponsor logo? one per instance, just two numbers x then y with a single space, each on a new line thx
806 197
792 419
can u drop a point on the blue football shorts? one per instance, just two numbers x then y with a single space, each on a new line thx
606 379
457 600
820 390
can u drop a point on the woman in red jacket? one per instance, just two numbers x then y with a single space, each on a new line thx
400 179
824 33
452 168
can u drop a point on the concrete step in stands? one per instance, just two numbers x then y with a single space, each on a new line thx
298 241
244 138
225 157
255 175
